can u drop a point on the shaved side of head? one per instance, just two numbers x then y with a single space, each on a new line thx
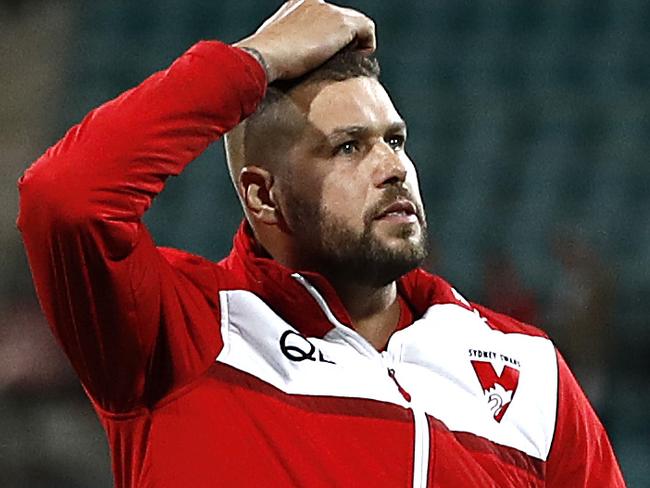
266 137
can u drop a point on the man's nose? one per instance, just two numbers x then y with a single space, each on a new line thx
390 167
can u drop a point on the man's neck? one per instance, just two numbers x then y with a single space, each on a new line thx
374 311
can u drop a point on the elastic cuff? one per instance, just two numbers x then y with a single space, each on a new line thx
260 59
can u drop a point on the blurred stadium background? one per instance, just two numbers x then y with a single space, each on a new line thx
530 125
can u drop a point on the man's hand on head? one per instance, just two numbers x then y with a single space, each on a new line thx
303 34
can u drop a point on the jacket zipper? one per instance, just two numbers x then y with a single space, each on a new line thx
421 449
405 394
422 441
421 445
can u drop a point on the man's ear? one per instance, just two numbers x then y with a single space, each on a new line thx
256 190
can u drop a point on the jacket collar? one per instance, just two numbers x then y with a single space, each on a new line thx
290 297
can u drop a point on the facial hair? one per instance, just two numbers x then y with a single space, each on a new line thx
331 247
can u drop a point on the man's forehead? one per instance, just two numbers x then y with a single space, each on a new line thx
356 102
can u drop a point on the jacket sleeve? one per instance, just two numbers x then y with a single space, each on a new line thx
116 305
581 455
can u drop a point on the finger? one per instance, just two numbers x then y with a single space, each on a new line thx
365 37
283 11
289 6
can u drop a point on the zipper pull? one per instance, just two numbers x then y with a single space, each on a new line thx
405 394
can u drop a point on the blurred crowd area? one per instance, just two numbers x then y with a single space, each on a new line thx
529 123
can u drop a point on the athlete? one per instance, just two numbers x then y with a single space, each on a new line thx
317 353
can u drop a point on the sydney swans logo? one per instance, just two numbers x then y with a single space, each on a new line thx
499 389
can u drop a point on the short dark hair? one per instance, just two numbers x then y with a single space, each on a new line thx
340 67
272 118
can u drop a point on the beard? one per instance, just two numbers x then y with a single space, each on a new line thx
331 247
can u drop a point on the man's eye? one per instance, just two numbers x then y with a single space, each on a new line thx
347 148
396 142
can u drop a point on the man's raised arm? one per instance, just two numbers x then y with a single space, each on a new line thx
105 289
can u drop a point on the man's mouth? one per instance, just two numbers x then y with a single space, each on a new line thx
399 211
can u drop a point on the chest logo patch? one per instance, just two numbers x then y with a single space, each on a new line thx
498 389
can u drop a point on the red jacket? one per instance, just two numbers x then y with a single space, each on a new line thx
244 373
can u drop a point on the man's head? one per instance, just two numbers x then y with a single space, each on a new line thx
323 177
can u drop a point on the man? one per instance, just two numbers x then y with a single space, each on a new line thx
316 354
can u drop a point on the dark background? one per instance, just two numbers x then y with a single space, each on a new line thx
529 123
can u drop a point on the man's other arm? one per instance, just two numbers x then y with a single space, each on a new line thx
581 455
96 270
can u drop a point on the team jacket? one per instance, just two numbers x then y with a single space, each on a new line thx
244 373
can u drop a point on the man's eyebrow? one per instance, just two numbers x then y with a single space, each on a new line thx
361 130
